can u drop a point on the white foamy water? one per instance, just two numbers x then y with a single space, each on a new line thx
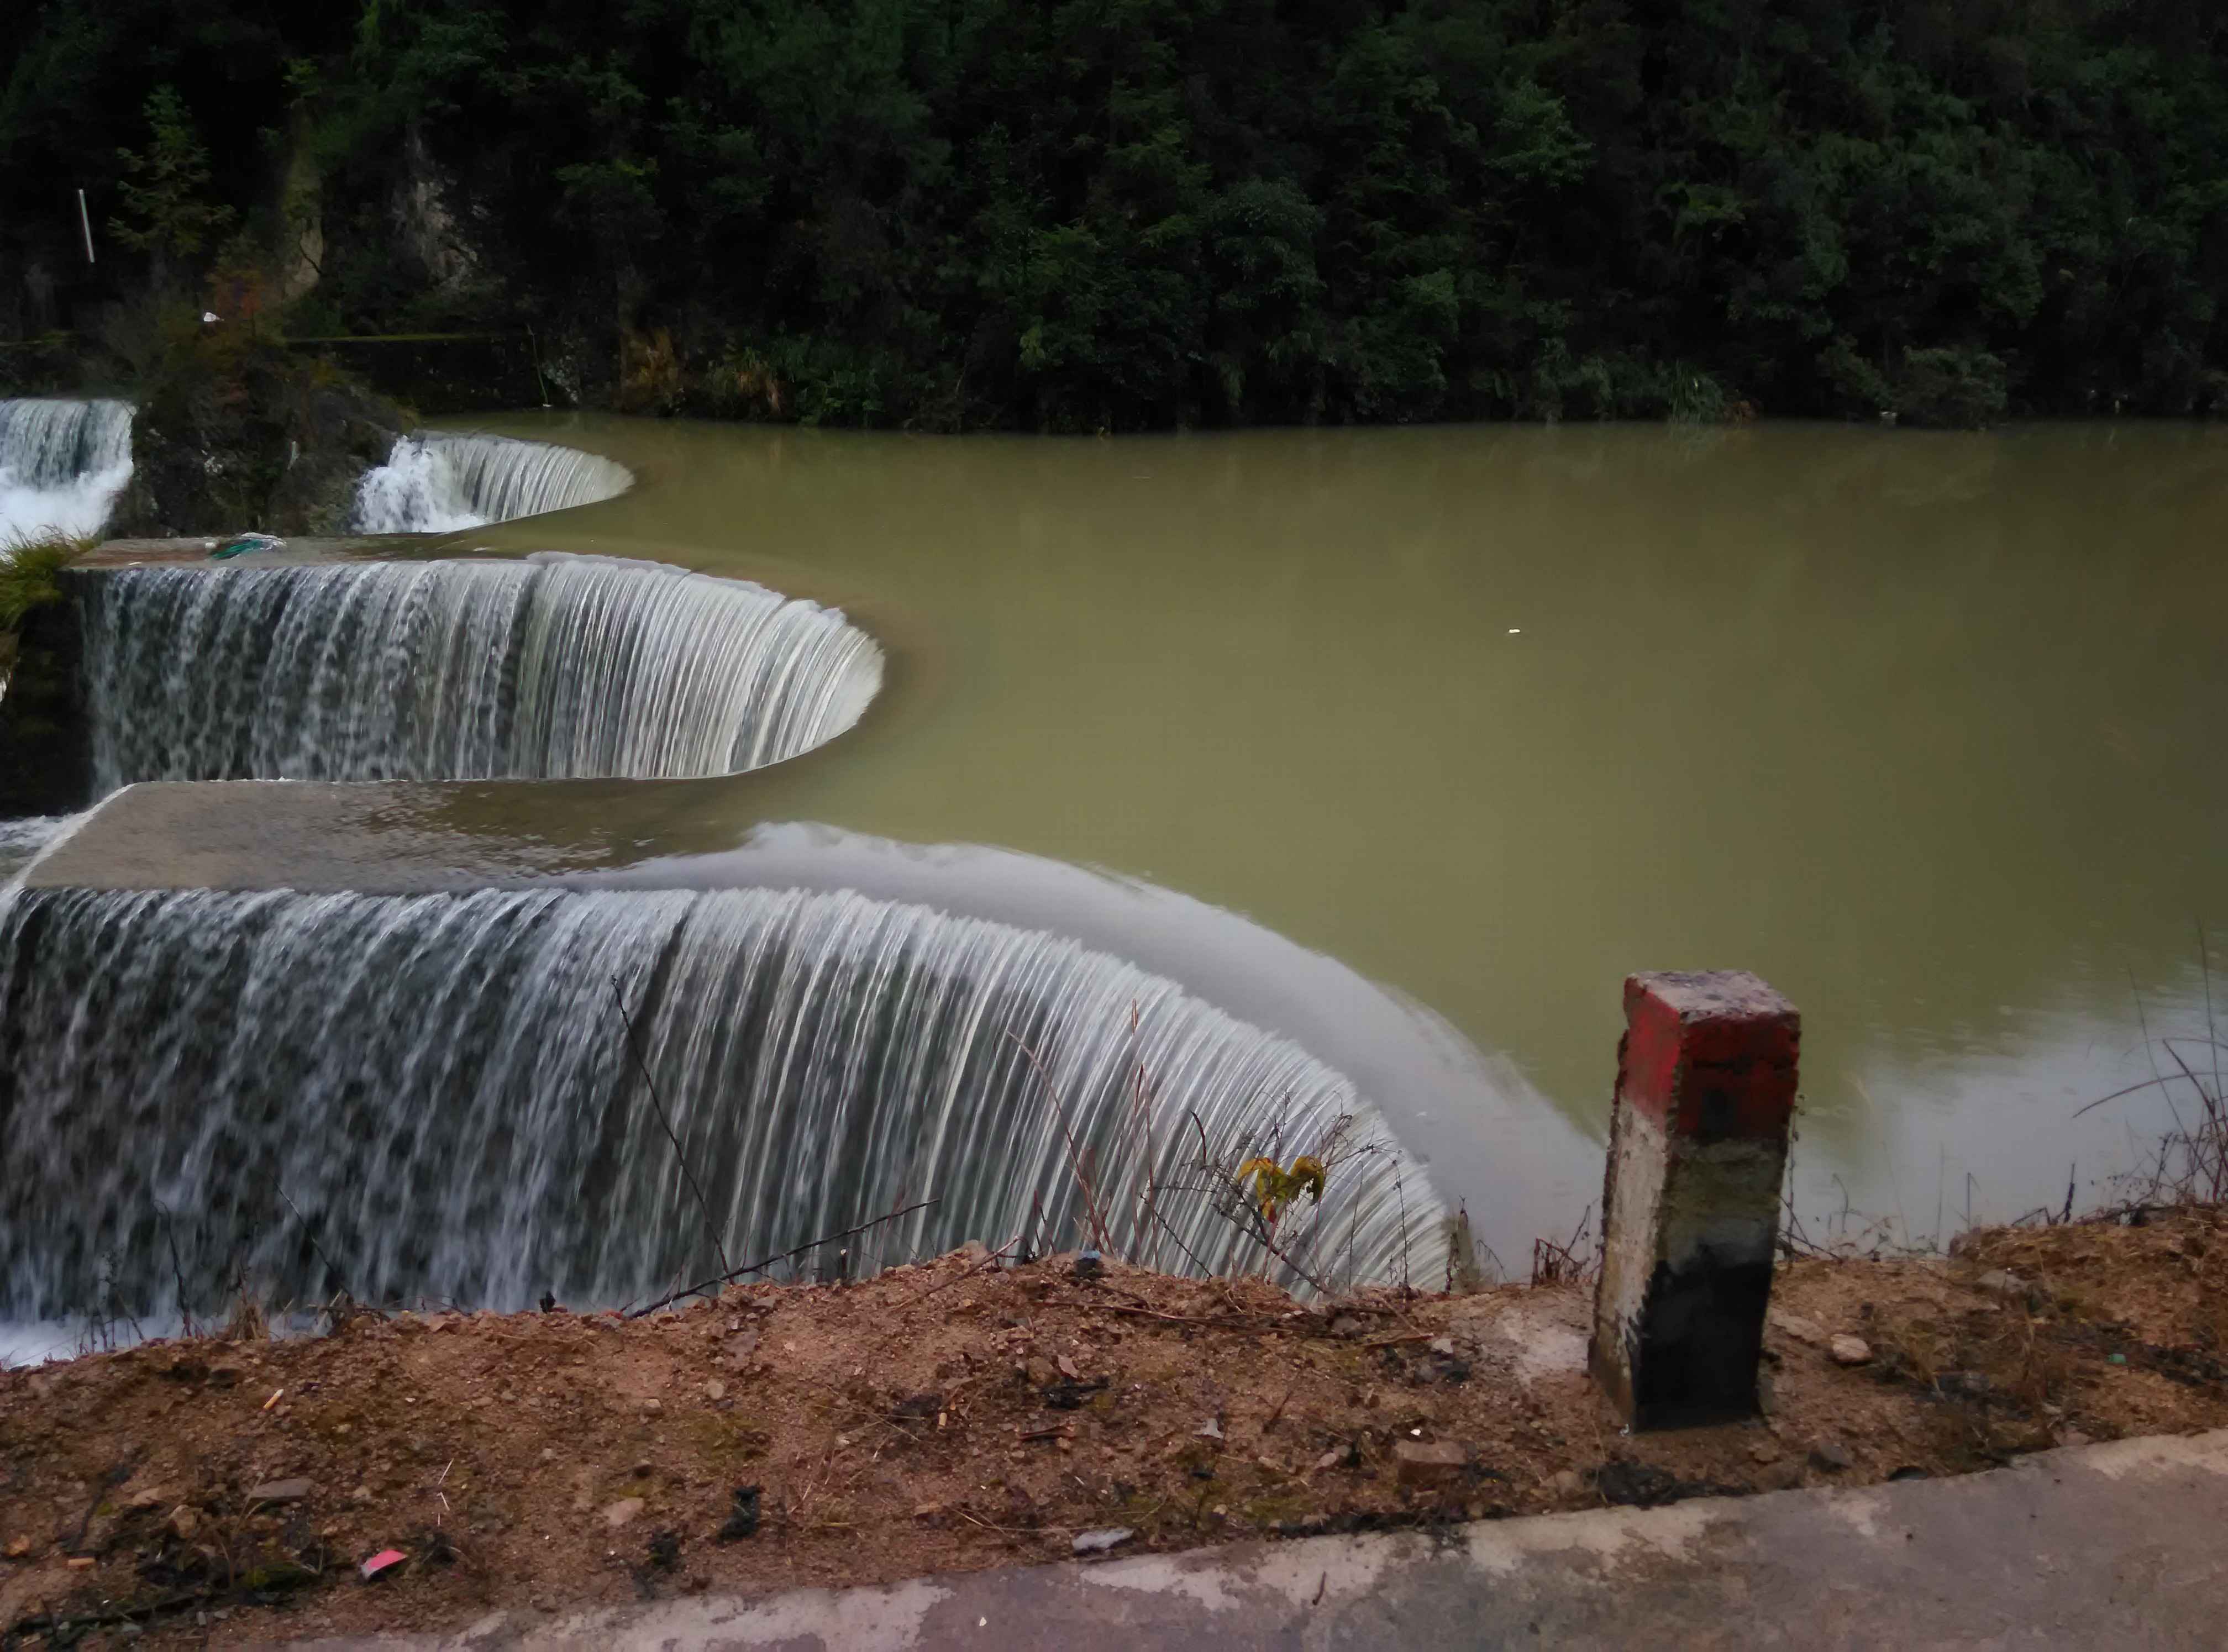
436 484
62 464
442 1087
551 667
21 838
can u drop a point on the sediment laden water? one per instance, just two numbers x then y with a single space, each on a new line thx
550 667
440 483
441 1086
61 466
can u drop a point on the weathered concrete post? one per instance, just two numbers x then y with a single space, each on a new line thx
1690 1205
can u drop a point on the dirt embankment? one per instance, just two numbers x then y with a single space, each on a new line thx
953 1415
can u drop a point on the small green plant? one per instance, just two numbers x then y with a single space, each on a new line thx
29 571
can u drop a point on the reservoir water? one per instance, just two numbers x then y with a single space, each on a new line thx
1921 727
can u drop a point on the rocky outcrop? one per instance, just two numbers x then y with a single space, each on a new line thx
46 746
237 433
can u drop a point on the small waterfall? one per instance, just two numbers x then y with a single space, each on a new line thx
555 666
434 483
61 466
439 1085
23 836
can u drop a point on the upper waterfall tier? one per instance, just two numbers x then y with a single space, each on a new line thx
553 667
61 466
436 483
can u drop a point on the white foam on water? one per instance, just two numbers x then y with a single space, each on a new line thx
62 464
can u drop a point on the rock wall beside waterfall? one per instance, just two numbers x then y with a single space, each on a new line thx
46 746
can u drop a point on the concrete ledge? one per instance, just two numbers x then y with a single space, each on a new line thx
2100 1546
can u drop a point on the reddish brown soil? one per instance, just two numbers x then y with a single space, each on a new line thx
949 1416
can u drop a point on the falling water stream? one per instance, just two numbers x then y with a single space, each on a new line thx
441 1087
546 667
438 483
61 466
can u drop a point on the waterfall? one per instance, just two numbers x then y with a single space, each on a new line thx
434 483
550 667
61 466
441 1086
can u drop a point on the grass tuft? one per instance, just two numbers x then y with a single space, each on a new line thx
28 568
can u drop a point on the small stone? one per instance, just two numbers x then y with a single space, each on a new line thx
1849 1350
281 1491
1998 1282
1347 1325
1830 1456
17 1547
618 1514
715 1390
1427 1464
1099 1541
1764 1451
1212 1429
361 1494
1443 1345
651 1407
1801 1329
1780 1476
743 1521
642 1469
1565 1484
548 1454
185 1520
1330 1459
151 1497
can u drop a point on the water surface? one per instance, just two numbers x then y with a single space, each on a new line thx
1922 727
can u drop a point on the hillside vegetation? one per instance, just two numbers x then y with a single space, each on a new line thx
1084 214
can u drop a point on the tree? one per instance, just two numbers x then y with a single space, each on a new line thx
167 214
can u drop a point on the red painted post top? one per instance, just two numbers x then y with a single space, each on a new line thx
1709 1054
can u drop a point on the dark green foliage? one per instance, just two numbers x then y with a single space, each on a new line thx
1117 214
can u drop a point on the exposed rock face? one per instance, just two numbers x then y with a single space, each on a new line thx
46 746
236 433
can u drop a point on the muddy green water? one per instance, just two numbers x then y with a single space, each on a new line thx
1925 728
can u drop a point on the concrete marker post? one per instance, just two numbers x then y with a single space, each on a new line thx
1690 1203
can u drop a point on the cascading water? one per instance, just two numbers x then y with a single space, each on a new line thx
61 466
442 1088
555 666
435 483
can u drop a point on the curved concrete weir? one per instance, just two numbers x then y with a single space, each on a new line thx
436 482
442 1084
552 667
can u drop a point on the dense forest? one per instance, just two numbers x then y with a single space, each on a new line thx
1085 215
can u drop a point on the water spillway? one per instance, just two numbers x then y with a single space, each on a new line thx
442 1087
436 482
62 463
550 667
